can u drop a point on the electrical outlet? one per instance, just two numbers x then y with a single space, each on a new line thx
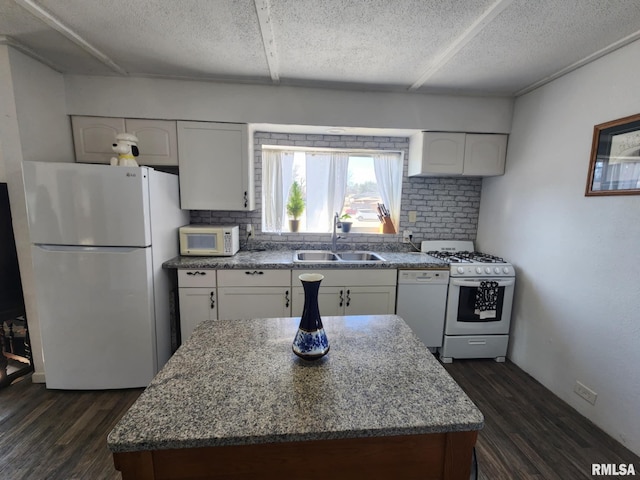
406 236
249 230
585 392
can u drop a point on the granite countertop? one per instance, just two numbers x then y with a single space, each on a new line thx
237 382
274 259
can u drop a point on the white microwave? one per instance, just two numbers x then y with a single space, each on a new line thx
209 240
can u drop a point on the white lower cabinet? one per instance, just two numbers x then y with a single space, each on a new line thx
237 294
254 293
198 299
254 302
351 292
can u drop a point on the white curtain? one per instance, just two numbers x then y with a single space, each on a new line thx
276 181
326 188
388 168
623 175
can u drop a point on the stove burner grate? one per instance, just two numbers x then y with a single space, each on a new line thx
465 257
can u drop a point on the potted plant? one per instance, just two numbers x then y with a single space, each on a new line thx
345 223
295 206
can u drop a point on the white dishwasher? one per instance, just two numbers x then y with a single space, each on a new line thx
421 301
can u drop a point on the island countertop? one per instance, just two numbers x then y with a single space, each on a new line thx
237 382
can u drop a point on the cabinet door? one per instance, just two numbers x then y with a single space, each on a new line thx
370 300
214 166
331 301
94 136
436 153
484 155
254 302
196 306
157 141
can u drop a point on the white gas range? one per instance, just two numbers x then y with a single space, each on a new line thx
479 301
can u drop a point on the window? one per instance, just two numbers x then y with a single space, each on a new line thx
349 182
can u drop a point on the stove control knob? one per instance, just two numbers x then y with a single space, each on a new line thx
478 270
497 270
488 270
505 270
460 270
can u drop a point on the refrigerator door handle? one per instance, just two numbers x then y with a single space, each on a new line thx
80 248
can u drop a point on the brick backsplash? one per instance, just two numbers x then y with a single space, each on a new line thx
446 207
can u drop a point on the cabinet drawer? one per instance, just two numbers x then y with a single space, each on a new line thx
475 346
355 276
197 278
254 278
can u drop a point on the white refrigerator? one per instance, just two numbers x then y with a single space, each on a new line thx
99 236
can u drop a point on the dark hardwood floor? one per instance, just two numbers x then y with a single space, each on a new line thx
529 433
58 435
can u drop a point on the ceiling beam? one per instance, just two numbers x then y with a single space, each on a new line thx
55 23
266 28
476 27
12 42
574 66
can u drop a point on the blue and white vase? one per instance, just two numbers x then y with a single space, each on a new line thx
311 341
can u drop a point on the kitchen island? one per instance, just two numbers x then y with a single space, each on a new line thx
235 402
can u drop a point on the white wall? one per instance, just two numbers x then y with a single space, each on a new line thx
33 126
577 307
191 100
45 128
3 175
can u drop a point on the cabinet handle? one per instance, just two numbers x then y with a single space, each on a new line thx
246 200
286 298
348 297
213 301
196 273
255 272
341 298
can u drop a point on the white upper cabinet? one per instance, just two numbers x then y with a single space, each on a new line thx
484 155
445 153
436 153
94 136
216 170
157 141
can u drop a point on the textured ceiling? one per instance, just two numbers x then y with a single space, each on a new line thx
490 47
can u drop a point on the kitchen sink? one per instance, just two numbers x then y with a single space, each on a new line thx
325 256
316 256
361 257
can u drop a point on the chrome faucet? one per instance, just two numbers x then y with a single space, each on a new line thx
334 234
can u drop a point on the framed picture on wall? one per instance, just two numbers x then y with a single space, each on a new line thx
614 168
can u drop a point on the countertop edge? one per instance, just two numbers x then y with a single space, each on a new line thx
122 447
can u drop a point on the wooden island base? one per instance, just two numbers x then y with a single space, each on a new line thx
444 456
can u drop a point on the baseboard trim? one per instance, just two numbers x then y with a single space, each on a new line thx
38 378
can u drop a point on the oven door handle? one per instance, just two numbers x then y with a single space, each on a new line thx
476 283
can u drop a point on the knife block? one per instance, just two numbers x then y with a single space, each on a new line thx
387 225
